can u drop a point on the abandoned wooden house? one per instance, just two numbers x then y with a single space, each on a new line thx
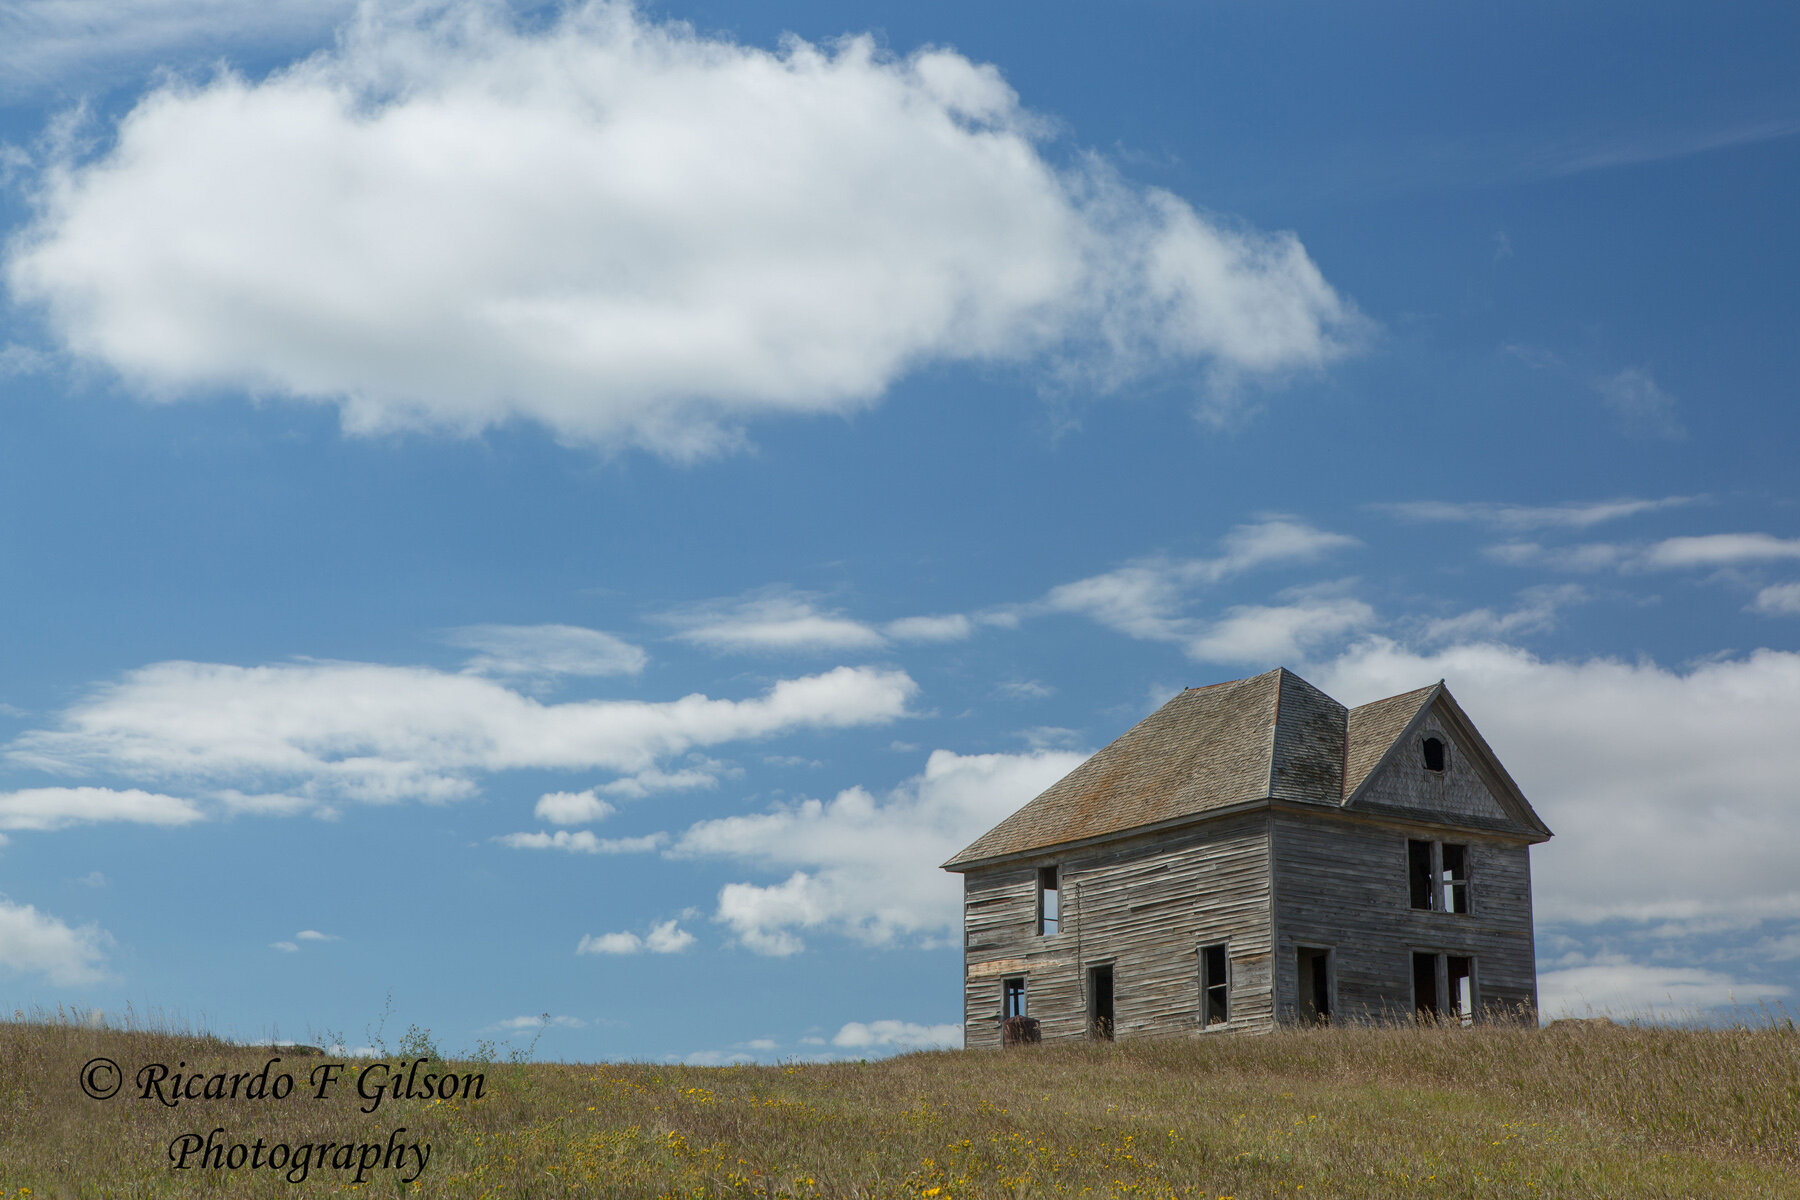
1253 853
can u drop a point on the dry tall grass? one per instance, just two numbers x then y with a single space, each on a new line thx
1581 1111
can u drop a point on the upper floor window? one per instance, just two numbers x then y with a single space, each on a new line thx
1049 905
1437 876
1433 750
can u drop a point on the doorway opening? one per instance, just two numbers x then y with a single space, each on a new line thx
1314 972
1100 1002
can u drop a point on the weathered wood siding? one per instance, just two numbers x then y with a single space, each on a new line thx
1458 791
1341 884
1144 905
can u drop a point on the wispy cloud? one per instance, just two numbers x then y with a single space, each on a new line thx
532 650
371 732
1520 517
1148 599
1640 405
1711 550
583 842
1778 600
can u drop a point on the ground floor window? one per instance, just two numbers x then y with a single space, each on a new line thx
1215 986
1012 997
1444 986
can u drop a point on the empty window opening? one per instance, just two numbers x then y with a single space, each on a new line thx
1049 908
1425 997
1444 987
1455 876
1012 997
1459 976
1215 986
1437 876
1100 1002
1433 749
1314 977
1418 872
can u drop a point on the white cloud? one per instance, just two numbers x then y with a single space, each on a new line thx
1612 984
1670 791
951 627
285 947
1721 550
1280 633
313 935
666 938
903 1035
868 867
58 807
37 943
1573 515
1025 689
630 232
1778 600
1640 405
572 808
44 43
372 732
583 842
772 620
527 650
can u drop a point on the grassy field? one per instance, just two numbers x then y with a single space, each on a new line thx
1573 1111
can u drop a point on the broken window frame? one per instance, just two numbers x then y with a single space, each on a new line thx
1443 883
1455 986
1012 989
1442 754
1215 985
1049 901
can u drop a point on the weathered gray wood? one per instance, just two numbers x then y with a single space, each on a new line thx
1299 869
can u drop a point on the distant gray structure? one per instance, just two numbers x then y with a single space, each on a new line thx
1254 853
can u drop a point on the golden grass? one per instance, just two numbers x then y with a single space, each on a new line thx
1584 1111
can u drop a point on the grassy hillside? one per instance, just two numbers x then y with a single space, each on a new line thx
1583 1111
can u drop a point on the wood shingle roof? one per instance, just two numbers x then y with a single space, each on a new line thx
1272 736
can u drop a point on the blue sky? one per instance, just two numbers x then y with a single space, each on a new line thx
579 510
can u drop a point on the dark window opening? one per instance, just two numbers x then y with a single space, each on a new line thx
1425 997
1418 872
1444 987
1315 984
1049 909
1459 974
1215 987
1437 876
1434 753
1012 997
1455 877
1100 1002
